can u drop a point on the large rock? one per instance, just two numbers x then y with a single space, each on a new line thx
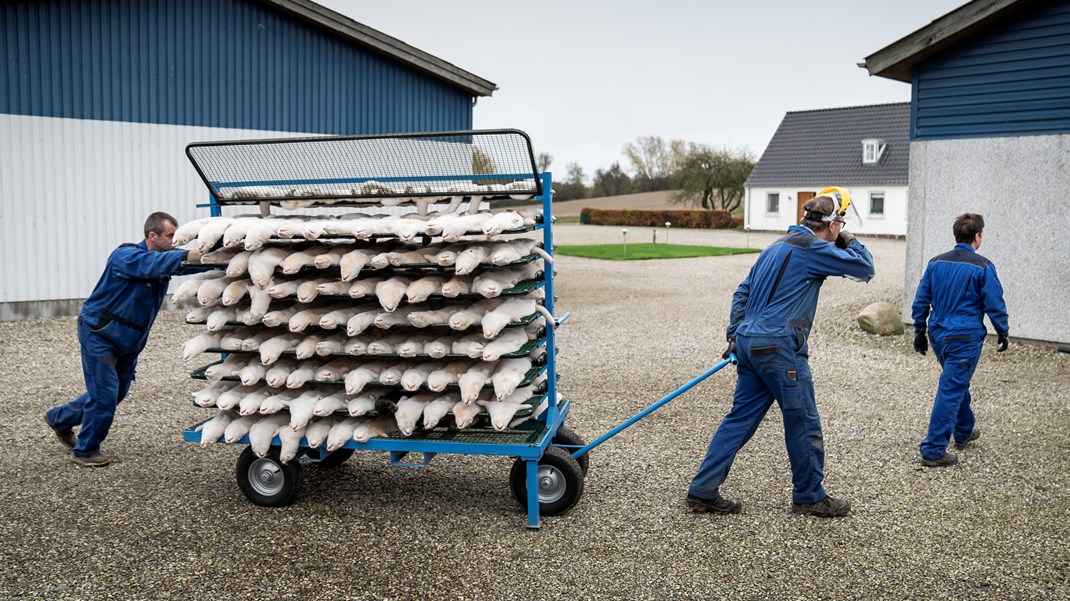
881 318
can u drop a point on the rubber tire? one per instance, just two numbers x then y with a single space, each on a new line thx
563 471
332 459
568 436
268 482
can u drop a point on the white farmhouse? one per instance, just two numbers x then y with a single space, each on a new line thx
865 149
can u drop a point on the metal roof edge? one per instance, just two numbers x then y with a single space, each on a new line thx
896 60
385 44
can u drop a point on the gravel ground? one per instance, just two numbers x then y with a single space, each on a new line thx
167 521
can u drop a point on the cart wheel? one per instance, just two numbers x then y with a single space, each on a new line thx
328 459
268 481
568 436
560 482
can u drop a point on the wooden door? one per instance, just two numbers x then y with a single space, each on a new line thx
803 197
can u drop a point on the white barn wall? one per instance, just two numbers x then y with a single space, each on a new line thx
72 190
1021 186
892 223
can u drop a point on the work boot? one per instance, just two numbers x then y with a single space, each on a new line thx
718 505
948 458
973 436
67 438
94 460
828 507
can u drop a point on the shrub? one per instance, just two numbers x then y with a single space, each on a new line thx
715 219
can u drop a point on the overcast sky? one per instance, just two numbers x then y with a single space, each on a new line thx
584 78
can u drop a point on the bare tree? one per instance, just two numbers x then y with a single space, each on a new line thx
543 161
713 179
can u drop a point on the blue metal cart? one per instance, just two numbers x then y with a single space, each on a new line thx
551 460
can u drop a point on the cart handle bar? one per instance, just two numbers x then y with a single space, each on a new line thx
638 416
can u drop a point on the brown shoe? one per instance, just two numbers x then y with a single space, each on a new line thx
974 435
718 505
94 460
828 507
948 458
67 438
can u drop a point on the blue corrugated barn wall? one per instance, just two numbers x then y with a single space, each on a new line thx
98 99
217 63
1011 80
990 130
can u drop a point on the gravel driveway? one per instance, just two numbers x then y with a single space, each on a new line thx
167 521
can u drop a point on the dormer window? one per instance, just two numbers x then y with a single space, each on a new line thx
872 151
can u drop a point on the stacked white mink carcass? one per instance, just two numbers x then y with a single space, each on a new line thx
360 303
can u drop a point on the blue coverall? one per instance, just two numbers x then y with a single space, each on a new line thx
113 327
958 288
772 311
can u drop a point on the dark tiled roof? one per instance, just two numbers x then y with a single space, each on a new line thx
824 148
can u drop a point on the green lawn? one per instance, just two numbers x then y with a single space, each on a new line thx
646 250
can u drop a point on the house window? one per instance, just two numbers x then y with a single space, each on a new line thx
872 151
772 203
876 204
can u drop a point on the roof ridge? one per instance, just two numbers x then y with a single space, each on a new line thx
843 108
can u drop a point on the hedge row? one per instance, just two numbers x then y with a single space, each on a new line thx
715 219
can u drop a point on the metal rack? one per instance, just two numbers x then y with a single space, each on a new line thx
415 169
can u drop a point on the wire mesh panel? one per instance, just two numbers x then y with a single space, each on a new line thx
488 163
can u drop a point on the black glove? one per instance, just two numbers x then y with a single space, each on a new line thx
731 348
844 239
1001 343
921 343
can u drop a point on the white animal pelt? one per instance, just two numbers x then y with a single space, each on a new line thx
364 287
490 284
386 320
210 233
360 377
438 348
380 427
239 264
207 396
329 404
354 261
438 408
250 403
220 317
276 402
365 402
307 347
341 433
188 231
186 293
278 317
465 413
199 344
508 341
273 348
331 345
391 375
302 407
509 312
391 291
502 412
472 315
230 398
290 439
263 262
199 314
318 429
471 258
503 222
276 376
422 289
472 381
447 374
264 430
303 373
508 375
457 285
228 368
410 410
416 376
219 257
238 428
470 345
295 261
332 256
432 317
212 429
235 291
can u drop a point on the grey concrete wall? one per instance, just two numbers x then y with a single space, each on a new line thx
1022 187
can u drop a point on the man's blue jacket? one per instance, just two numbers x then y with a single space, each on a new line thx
958 288
779 295
129 294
